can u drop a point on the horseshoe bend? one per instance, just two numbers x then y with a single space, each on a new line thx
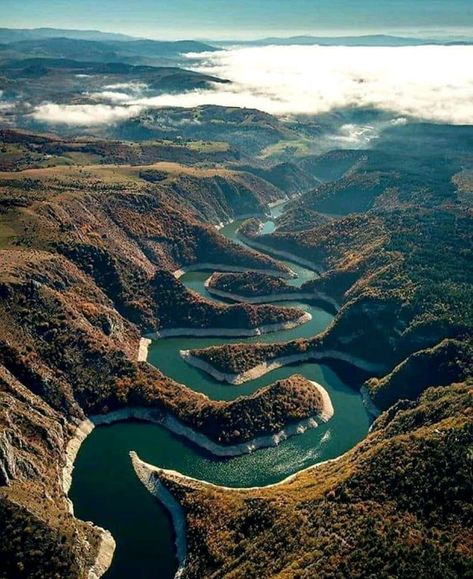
231 343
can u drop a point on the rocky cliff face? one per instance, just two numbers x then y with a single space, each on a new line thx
34 514
287 177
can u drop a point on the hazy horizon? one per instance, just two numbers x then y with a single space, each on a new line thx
427 34
245 20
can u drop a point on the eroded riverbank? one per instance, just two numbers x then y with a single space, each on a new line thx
106 490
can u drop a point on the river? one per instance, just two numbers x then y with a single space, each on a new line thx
105 489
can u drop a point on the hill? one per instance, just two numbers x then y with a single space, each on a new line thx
361 40
88 254
24 150
397 505
98 47
15 34
403 279
68 79
248 130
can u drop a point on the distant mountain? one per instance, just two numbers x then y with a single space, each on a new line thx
367 40
160 48
15 34
135 51
69 48
100 68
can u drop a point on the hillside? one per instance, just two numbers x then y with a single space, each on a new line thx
332 165
55 81
121 230
248 130
300 218
215 194
363 190
408 165
88 255
286 176
94 46
249 285
398 504
403 279
95 236
23 150
447 362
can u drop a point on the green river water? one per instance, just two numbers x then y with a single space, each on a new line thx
105 489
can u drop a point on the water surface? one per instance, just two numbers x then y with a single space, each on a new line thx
106 491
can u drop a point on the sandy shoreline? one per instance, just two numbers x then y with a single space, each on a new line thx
229 332
183 477
143 349
315 295
157 489
266 367
265 299
231 268
280 253
104 556
283 201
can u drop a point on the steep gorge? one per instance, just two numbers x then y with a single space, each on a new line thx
89 256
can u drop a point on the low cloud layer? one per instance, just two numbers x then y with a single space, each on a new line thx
428 82
83 115
433 83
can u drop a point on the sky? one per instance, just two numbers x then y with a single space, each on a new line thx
243 19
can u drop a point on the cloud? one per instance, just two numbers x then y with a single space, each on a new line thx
359 135
83 115
113 105
6 107
121 92
433 83
112 96
427 82
132 86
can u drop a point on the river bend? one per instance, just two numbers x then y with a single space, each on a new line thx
105 489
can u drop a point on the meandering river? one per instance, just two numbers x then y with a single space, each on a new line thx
105 489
